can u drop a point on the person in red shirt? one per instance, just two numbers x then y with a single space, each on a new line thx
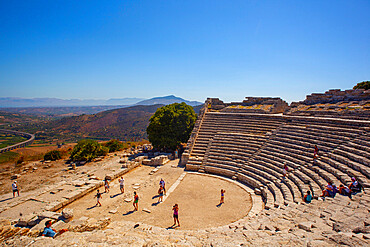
136 202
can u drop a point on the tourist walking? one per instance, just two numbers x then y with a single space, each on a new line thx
163 184
98 197
106 185
160 193
15 188
222 196
122 185
175 209
136 201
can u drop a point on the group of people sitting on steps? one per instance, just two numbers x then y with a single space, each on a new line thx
331 190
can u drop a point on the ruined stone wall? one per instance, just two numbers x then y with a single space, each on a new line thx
251 105
353 104
335 96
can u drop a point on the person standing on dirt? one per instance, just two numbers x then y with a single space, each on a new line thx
136 202
15 188
106 185
222 196
175 209
160 194
163 185
98 197
122 185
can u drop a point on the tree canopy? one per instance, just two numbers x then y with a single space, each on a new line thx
362 85
86 150
171 125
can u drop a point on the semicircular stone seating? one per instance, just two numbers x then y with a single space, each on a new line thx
253 148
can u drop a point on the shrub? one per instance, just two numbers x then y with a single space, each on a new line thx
20 160
53 155
114 145
362 85
86 150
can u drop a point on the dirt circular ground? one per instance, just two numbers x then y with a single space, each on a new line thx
197 195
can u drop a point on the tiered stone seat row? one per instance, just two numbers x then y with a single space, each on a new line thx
214 123
344 152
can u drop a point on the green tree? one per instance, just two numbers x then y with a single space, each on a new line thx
171 125
114 145
86 150
362 85
53 155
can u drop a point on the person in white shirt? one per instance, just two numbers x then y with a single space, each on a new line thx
15 188
122 185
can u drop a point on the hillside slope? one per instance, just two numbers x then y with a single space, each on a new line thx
125 124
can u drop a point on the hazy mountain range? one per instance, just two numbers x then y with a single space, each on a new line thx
10 102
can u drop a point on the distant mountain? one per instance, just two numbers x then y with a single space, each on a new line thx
166 100
12 102
54 102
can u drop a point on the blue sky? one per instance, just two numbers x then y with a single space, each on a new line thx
192 49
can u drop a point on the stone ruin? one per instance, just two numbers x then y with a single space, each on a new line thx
353 104
261 105
156 161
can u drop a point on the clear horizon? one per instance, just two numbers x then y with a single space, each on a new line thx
190 49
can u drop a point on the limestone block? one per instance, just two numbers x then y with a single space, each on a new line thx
305 226
362 229
23 221
67 213
33 221
78 183
146 210
50 215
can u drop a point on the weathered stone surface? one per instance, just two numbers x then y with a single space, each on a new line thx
146 210
50 215
346 240
305 226
362 229
67 213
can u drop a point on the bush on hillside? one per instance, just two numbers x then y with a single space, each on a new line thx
114 145
171 125
86 150
53 155
362 85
